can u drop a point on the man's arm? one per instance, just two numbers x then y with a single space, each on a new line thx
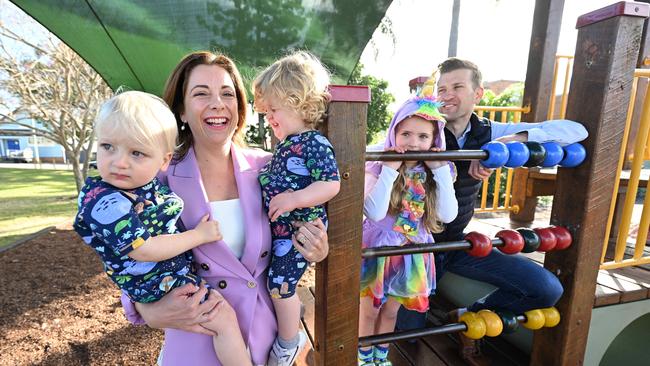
564 132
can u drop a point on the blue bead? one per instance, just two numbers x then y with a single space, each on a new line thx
518 154
497 154
574 155
554 154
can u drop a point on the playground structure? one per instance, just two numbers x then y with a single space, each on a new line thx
604 64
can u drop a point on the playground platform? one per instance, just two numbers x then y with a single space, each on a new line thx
629 285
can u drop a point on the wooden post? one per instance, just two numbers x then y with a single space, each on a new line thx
606 55
337 277
643 62
537 91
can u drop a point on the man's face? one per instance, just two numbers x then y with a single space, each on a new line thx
456 91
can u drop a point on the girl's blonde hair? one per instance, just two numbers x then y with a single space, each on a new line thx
299 81
140 116
430 219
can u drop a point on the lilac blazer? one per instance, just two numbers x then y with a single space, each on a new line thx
242 282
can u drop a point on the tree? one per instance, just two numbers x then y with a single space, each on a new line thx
378 114
54 86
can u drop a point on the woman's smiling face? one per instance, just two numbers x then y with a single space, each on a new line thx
210 105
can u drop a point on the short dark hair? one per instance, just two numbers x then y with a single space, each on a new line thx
453 64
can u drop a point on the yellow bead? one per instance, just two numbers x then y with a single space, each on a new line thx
476 327
534 319
551 317
493 324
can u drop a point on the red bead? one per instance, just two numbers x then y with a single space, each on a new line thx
513 242
481 244
547 239
564 238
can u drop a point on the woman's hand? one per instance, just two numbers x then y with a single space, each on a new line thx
182 309
311 240
394 164
435 164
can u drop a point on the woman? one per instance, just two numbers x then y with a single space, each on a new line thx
215 174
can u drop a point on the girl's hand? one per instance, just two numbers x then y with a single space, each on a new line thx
181 309
435 164
311 240
281 204
394 164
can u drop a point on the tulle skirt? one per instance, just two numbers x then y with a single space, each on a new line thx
408 279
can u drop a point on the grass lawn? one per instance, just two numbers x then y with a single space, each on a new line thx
34 199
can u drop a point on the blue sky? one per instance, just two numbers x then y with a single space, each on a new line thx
495 34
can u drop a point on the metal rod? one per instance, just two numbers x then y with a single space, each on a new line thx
411 334
426 155
418 333
422 248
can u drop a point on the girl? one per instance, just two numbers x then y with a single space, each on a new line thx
405 203
130 218
299 179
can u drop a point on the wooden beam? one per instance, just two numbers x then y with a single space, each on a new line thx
547 21
605 59
337 277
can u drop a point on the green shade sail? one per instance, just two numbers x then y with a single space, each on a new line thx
136 43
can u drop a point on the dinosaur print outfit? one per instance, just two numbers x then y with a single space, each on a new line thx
113 223
299 160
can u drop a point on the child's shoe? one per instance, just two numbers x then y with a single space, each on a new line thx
281 356
365 357
380 355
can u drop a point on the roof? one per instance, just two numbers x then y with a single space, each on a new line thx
136 43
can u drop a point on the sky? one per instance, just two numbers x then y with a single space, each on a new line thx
495 34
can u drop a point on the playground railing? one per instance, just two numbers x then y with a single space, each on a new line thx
506 114
638 158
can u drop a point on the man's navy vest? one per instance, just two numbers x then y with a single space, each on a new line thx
466 187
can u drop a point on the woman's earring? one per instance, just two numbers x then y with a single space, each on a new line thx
183 126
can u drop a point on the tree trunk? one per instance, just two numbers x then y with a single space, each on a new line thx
453 31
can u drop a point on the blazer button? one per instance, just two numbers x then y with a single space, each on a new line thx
251 284
205 266
266 252
223 284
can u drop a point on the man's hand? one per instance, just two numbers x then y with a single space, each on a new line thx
519 136
478 171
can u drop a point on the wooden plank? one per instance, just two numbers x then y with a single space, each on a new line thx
306 357
636 275
307 299
629 291
397 356
605 60
604 296
337 277
418 353
622 8
521 198
547 21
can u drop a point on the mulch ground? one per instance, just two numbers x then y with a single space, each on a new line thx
57 307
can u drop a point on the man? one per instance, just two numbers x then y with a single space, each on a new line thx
521 284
